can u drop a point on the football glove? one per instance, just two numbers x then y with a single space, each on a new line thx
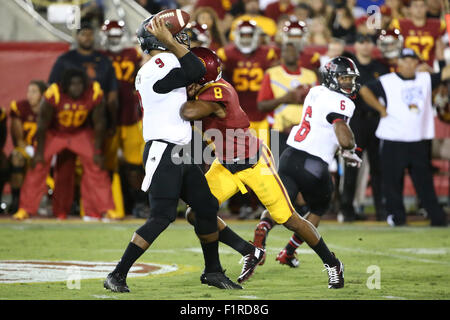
350 157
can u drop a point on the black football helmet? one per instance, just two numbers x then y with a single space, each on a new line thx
149 42
337 67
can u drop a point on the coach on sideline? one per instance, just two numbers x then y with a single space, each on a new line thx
406 128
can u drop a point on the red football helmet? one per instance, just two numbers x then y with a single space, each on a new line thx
200 33
113 35
246 36
293 32
212 63
390 43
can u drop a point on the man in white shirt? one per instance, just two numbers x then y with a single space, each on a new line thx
406 129
161 86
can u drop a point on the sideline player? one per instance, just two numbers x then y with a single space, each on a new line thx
312 146
65 111
244 160
161 85
23 115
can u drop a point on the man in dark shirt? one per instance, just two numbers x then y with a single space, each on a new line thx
364 123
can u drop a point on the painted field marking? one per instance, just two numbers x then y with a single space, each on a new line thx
390 255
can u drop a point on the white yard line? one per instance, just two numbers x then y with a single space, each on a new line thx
389 255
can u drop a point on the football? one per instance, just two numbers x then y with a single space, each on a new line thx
175 19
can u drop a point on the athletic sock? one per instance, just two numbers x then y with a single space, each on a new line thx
131 254
293 244
211 256
324 253
230 238
267 224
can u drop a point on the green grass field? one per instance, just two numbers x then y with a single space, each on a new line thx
413 262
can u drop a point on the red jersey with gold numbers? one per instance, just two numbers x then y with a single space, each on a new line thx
71 115
22 110
233 128
245 73
421 39
126 64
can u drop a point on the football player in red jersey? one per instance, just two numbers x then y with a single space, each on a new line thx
63 119
3 159
128 135
245 60
422 34
244 160
23 115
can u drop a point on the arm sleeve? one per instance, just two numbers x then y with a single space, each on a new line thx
112 84
265 93
192 69
435 80
333 117
377 88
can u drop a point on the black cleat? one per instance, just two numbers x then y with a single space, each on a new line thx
335 275
218 280
251 261
116 283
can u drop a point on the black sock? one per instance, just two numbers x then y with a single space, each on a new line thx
211 256
324 253
15 193
230 238
131 254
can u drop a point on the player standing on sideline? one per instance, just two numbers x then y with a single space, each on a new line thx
245 62
23 115
312 145
242 159
98 68
3 159
128 136
161 85
65 111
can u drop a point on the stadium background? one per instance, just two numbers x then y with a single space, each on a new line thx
29 45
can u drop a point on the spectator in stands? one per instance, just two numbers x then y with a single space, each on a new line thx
207 16
336 48
342 24
318 32
4 172
302 12
252 12
407 106
435 8
320 8
356 10
396 8
364 124
418 30
98 67
23 115
278 8
66 109
94 12
222 9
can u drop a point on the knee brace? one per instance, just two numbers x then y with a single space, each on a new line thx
153 227
206 217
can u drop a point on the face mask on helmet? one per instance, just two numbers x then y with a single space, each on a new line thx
293 33
390 44
183 38
247 36
112 36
